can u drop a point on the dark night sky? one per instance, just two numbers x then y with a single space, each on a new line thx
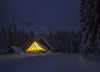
57 14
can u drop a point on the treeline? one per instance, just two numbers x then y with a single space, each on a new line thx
66 42
13 36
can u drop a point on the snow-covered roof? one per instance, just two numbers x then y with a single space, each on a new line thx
44 47
16 49
46 43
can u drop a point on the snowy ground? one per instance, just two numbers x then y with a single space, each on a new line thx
49 63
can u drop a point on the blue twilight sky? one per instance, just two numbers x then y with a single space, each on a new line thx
56 14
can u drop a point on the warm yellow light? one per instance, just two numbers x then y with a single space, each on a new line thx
35 47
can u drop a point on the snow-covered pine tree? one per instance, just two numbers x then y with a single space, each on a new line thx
50 39
73 42
90 17
78 41
58 44
9 37
15 36
3 39
31 36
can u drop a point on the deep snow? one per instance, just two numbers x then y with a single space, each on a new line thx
49 62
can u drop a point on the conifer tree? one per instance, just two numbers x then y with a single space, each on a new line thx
3 39
15 36
90 17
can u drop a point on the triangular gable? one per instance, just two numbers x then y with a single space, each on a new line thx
45 43
44 47
11 51
35 47
15 49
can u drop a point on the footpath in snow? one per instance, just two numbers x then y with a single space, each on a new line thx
49 63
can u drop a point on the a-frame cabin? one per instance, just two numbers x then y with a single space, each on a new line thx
35 47
40 46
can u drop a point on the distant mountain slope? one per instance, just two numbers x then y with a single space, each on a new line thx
7 18
36 28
